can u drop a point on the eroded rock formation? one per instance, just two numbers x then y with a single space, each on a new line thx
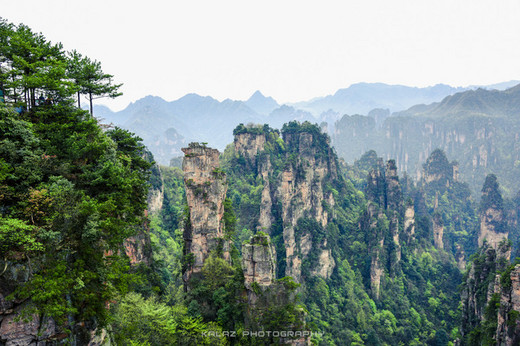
205 193
493 226
508 321
297 188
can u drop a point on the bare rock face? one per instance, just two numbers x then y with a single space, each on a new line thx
155 200
205 193
460 257
16 332
393 188
301 193
266 203
508 330
376 246
258 264
481 284
438 231
258 261
409 222
138 248
326 263
263 291
493 226
14 329
376 272
249 145
489 219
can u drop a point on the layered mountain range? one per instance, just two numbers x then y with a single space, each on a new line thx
478 128
166 126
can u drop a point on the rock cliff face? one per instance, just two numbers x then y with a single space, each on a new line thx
376 244
249 145
262 289
258 264
483 281
508 329
301 193
493 225
409 222
475 141
258 261
16 331
298 189
438 231
385 203
205 193
479 281
489 219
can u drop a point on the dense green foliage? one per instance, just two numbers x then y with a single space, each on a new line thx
72 198
71 195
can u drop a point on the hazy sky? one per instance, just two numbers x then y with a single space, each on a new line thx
290 50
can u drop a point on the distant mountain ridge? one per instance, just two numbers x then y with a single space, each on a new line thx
205 119
478 128
494 103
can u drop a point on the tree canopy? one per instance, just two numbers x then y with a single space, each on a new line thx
35 72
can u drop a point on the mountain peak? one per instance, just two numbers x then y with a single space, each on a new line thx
257 94
261 104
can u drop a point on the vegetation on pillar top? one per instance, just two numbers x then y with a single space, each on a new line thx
491 196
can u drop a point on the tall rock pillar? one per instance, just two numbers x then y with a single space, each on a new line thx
205 193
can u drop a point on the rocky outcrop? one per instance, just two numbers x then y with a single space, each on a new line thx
16 328
34 331
155 200
249 144
263 291
393 194
205 193
475 289
301 193
481 283
258 265
508 321
438 231
489 219
266 202
326 264
493 226
372 224
387 222
258 261
297 189
138 248
460 257
376 272
409 222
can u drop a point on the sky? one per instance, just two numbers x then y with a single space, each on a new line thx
290 50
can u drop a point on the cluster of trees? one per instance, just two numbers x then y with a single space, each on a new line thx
71 195
34 71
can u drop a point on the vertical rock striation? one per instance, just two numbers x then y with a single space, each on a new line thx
508 321
205 193
301 194
297 187
493 226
